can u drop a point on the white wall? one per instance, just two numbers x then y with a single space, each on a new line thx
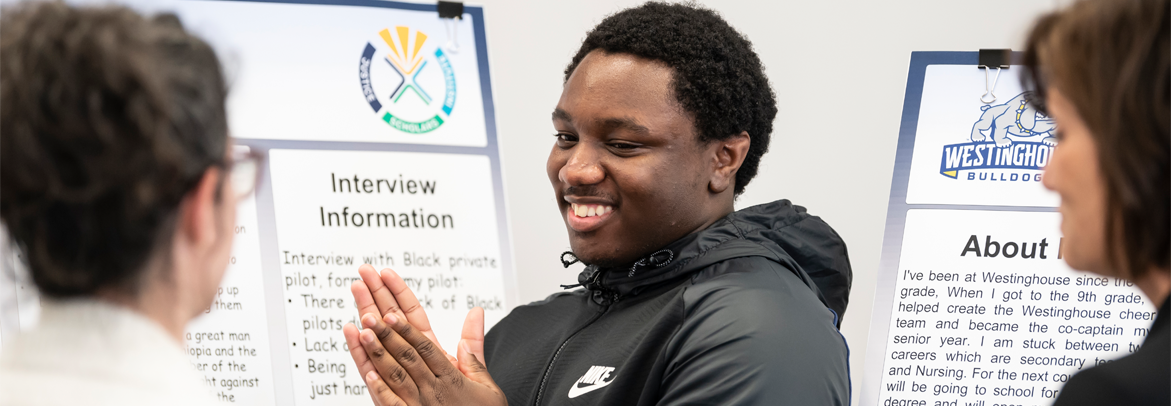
839 69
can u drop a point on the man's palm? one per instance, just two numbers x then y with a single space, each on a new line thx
387 293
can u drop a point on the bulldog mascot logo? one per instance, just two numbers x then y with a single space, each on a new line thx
1018 118
1010 142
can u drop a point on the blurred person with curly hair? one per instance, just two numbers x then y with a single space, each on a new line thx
119 189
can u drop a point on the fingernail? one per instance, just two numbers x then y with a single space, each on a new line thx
371 376
369 321
367 336
467 348
391 319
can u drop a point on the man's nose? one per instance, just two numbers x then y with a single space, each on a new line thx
582 168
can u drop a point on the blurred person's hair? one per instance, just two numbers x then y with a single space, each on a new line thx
1112 60
107 120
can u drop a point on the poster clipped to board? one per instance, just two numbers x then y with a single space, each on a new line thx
376 119
974 304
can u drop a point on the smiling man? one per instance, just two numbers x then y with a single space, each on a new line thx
662 122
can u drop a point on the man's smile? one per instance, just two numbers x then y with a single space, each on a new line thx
587 217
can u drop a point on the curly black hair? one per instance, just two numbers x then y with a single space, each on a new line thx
107 119
718 77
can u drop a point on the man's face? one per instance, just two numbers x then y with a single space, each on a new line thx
628 168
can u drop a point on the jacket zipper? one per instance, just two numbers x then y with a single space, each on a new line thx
549 368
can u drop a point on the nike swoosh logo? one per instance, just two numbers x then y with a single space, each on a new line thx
575 390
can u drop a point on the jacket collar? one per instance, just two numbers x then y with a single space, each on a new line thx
674 262
662 266
779 231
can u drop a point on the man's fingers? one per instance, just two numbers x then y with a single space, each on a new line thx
403 352
473 368
411 308
366 369
383 299
350 331
391 372
471 349
400 300
362 298
427 350
380 392
473 334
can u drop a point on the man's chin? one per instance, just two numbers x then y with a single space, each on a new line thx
591 253
602 262
603 258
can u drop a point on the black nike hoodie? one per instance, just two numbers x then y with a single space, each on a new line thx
736 314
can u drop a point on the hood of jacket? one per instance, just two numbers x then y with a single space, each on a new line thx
780 231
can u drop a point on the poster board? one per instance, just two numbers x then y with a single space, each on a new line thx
377 122
974 305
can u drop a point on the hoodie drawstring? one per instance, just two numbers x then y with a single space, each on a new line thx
656 260
659 259
567 263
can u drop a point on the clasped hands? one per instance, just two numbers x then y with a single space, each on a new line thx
399 357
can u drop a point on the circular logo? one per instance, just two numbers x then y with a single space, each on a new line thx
412 72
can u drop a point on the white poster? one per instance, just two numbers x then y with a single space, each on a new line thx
430 217
975 305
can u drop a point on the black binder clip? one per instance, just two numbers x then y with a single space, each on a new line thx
450 11
989 59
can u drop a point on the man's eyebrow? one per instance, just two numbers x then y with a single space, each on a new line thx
612 123
626 123
559 114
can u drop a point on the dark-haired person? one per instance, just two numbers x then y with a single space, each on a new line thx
117 184
1104 69
664 116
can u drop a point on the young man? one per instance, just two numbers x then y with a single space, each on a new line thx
663 119
117 186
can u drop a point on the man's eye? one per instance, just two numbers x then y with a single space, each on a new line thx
623 145
563 137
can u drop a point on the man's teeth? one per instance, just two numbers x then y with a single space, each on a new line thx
590 210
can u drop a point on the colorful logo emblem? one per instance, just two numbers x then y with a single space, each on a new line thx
415 105
1003 138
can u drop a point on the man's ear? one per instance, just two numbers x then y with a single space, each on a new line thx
197 212
729 155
